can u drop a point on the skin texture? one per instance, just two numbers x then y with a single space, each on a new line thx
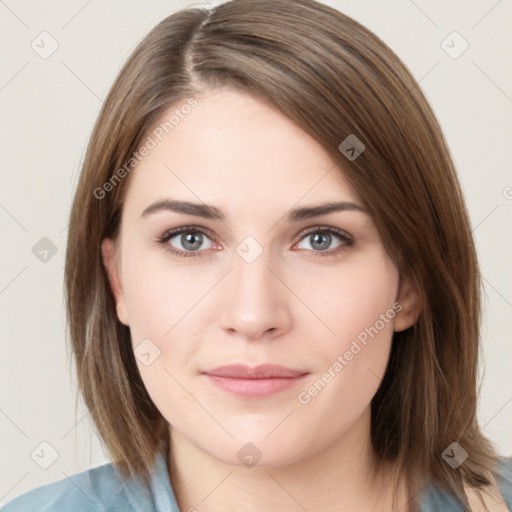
291 306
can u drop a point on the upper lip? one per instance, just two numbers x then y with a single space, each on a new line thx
263 371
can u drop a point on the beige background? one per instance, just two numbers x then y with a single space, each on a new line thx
47 109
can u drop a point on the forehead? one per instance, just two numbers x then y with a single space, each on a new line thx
233 148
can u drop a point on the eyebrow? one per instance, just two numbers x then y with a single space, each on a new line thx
211 212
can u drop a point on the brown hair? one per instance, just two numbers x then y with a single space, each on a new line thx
334 78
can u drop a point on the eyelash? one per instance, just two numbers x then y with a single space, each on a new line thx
347 241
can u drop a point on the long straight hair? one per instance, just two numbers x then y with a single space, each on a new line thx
333 78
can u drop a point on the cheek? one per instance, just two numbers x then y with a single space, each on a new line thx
359 306
159 296
354 298
165 315
165 311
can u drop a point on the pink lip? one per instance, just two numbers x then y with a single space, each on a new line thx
261 381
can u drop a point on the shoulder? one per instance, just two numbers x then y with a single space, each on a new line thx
497 497
95 489
505 479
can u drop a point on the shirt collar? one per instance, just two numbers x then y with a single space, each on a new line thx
159 497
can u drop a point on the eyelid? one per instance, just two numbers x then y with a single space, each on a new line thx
171 233
345 237
327 229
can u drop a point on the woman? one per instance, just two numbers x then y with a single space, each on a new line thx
273 292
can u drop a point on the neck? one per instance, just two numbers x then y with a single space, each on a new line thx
342 477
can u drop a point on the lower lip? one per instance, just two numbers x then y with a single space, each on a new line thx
254 387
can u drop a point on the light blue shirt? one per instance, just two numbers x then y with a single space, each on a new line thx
101 489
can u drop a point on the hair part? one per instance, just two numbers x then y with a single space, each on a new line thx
333 78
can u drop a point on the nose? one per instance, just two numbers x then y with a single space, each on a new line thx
255 304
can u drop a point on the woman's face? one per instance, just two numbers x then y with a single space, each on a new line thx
260 280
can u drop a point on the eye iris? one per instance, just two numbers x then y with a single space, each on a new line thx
191 240
323 240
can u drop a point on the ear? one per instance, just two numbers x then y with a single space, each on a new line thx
109 256
411 304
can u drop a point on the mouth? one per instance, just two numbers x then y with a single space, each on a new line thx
261 381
